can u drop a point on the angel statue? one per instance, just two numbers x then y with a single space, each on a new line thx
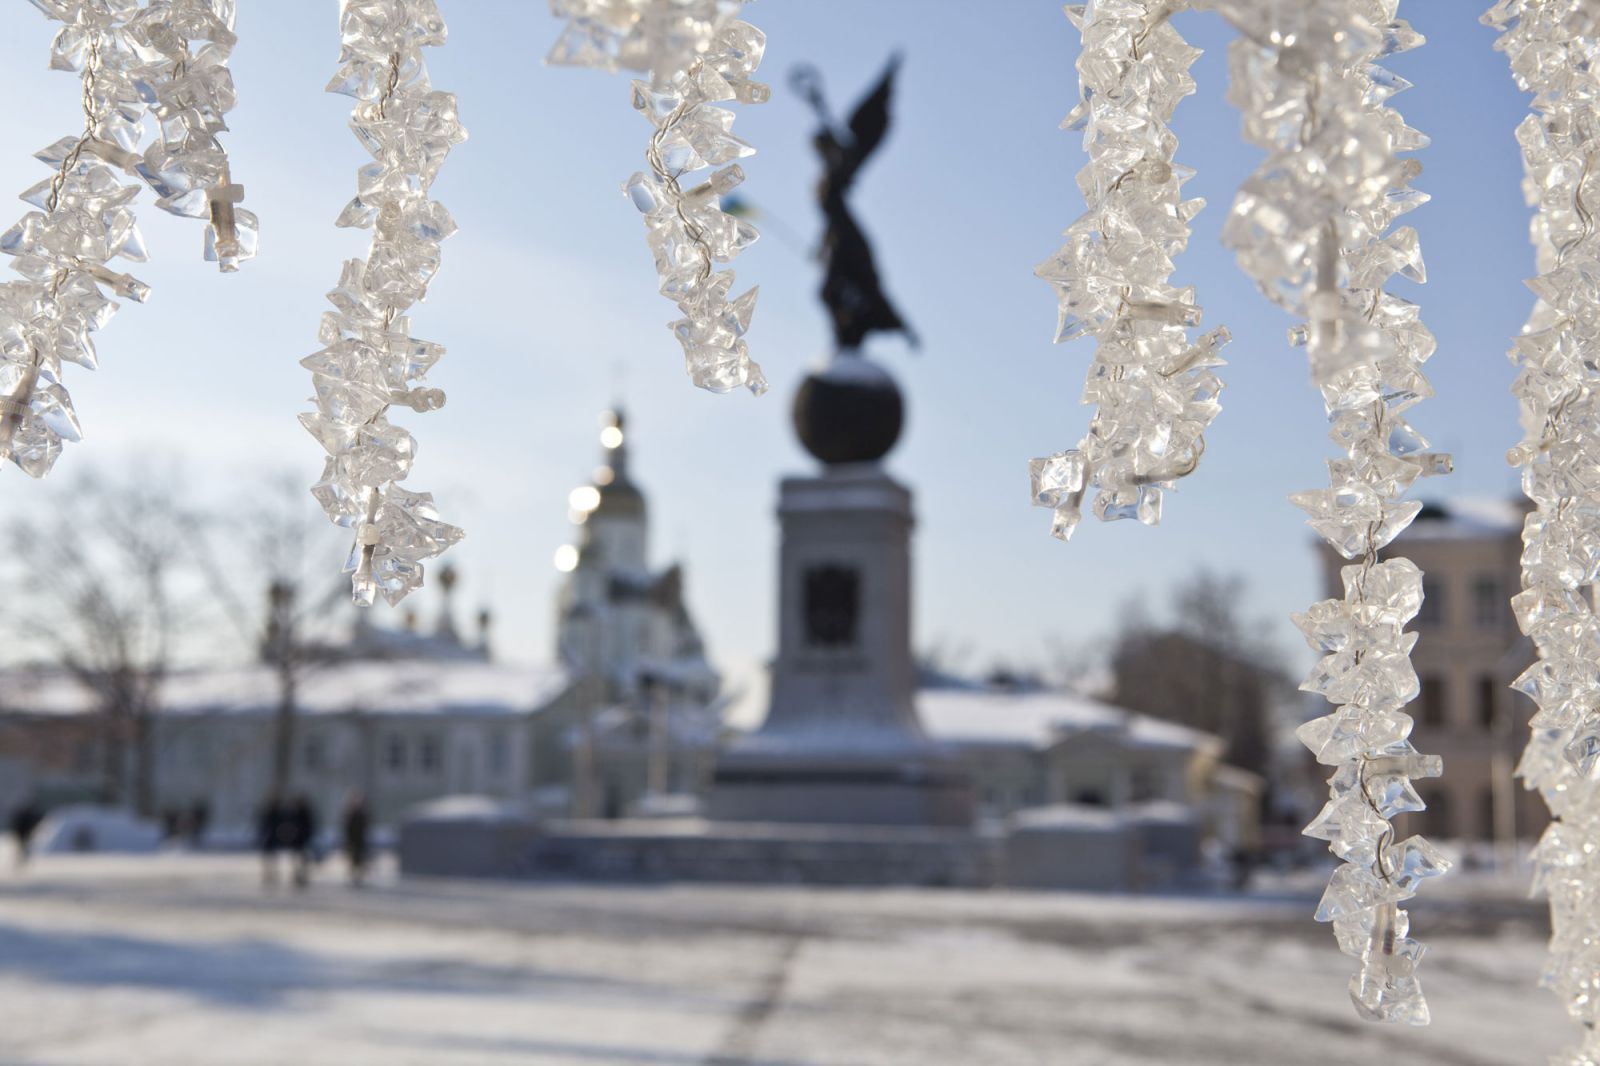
850 287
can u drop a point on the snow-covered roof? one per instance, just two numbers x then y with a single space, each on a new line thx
1079 817
1093 818
1466 518
467 808
1035 719
401 686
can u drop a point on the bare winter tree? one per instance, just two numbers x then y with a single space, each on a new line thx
943 660
102 587
1207 666
116 581
1076 666
258 558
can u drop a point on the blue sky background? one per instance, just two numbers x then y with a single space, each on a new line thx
547 304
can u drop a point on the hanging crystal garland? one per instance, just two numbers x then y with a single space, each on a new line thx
1155 392
168 58
189 90
694 54
1312 227
81 220
1551 46
370 361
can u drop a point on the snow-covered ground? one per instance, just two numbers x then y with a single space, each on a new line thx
174 960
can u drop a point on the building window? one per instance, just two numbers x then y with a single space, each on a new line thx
1432 699
1488 602
1488 701
1145 784
1487 811
1432 612
315 753
1437 820
394 754
498 747
467 778
428 754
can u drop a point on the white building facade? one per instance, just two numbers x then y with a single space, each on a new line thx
1028 750
397 731
628 709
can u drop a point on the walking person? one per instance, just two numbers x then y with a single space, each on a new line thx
24 820
299 834
270 825
199 822
356 834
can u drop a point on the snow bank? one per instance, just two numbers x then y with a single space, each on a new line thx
85 827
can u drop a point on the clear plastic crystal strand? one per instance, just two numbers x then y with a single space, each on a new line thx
1551 46
694 54
189 90
1312 226
369 360
81 220
1154 389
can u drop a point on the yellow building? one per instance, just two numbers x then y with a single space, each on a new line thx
1468 652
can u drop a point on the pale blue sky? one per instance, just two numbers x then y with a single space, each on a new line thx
547 299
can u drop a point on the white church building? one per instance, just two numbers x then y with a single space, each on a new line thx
649 711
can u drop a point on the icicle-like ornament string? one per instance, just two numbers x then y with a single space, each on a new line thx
694 54
189 90
1551 45
167 58
82 219
1312 226
1155 391
369 360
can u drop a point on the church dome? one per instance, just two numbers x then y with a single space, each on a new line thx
850 411
617 494
620 496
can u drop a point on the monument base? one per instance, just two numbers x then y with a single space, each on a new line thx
765 853
921 789
1046 848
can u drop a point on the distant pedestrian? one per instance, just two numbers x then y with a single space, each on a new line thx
199 822
1245 861
270 819
24 820
356 832
298 831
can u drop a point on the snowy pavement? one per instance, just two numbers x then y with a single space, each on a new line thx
185 961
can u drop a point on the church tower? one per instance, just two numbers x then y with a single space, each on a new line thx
618 620
615 523
611 554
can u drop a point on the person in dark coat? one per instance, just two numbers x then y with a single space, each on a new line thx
298 832
199 822
24 820
356 834
269 837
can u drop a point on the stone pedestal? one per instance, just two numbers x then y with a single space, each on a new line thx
841 742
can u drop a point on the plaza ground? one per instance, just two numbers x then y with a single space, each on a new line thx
178 960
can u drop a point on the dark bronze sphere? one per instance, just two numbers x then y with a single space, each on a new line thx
850 411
